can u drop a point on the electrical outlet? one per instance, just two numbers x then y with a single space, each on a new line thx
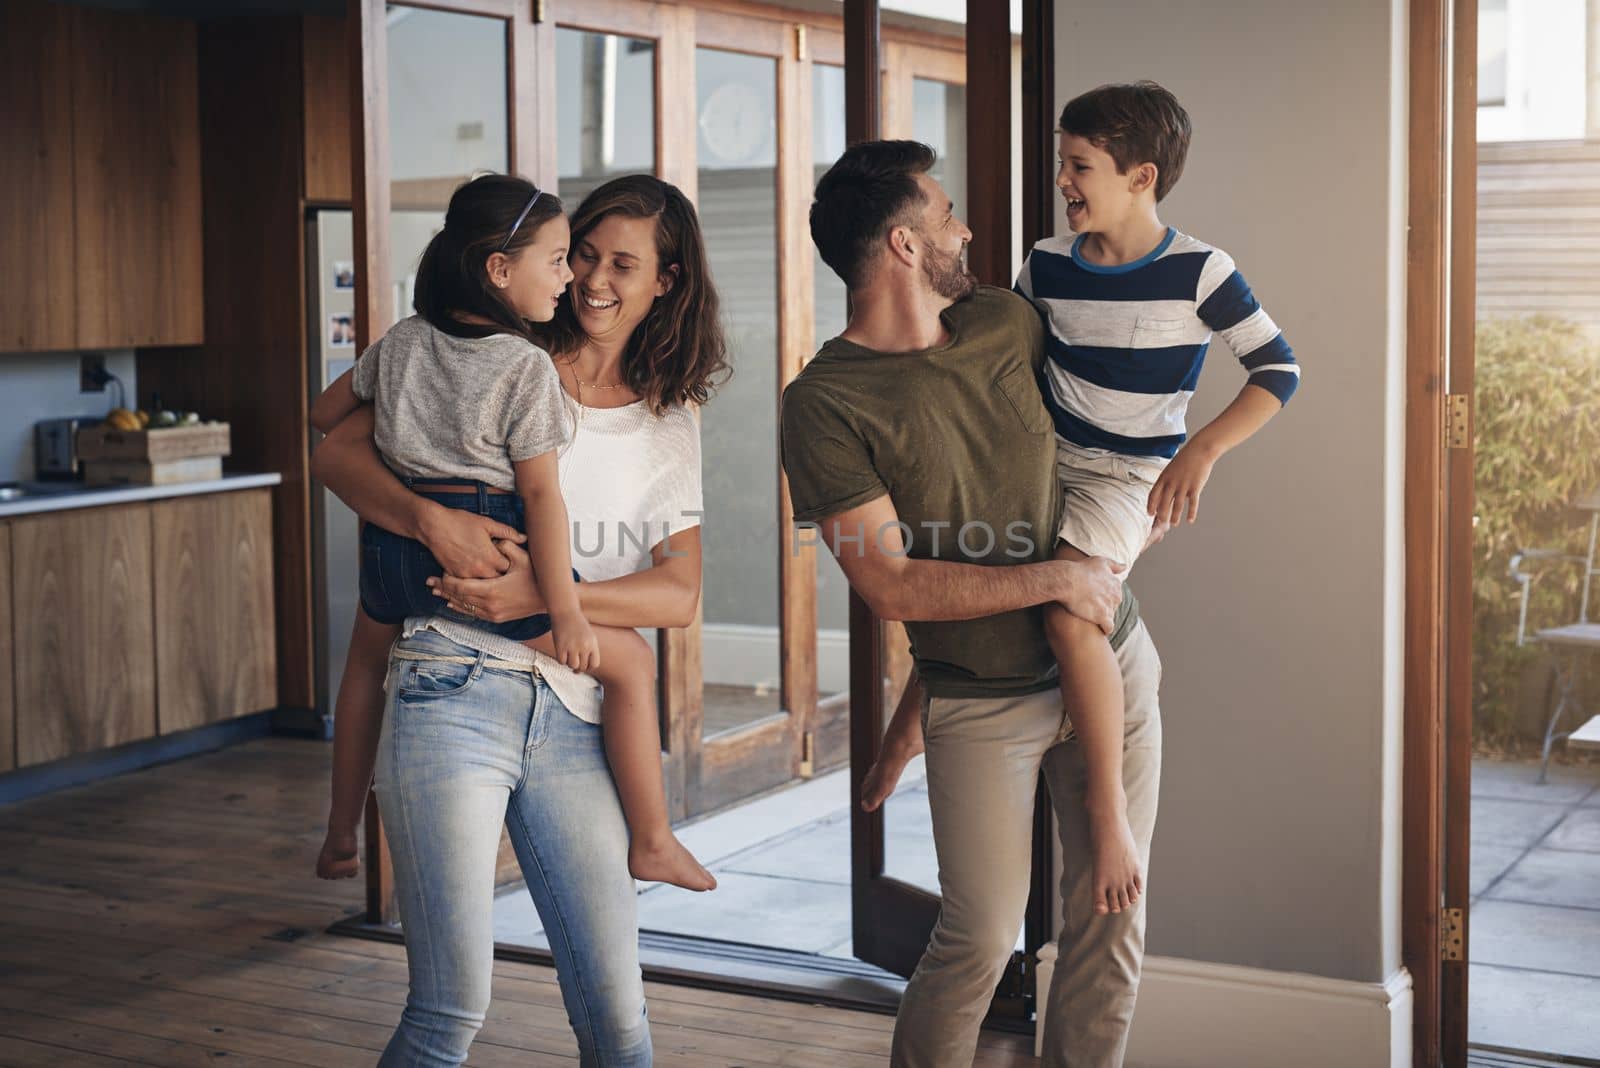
92 374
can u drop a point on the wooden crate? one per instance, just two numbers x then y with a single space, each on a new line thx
154 446
145 473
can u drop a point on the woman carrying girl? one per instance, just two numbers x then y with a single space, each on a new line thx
478 728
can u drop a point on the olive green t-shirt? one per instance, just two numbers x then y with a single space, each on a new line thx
959 439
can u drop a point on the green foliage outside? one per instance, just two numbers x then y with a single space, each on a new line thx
1538 448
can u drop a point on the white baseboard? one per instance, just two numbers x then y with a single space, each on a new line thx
739 655
1193 1014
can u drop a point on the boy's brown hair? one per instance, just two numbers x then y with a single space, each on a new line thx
1134 124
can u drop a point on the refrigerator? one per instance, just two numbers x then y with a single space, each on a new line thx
330 277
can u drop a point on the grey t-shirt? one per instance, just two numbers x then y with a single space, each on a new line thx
460 407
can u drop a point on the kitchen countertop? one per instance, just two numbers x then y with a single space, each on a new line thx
62 496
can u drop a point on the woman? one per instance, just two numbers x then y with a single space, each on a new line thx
478 731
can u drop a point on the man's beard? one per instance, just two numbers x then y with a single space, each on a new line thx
946 274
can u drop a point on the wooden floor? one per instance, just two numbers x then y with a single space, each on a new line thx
170 918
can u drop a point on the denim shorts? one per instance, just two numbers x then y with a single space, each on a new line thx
395 570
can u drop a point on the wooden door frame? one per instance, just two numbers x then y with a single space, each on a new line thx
890 918
887 915
704 775
1458 528
530 122
1440 314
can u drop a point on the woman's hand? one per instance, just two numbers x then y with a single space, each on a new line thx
465 543
513 595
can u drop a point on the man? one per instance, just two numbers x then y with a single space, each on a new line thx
917 442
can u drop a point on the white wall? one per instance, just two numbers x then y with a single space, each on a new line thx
1278 615
44 385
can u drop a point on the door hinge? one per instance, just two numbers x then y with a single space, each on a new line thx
538 10
1452 934
808 755
1457 421
800 43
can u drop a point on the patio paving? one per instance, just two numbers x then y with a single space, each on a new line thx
782 863
1534 980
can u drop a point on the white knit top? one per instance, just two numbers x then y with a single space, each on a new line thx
630 480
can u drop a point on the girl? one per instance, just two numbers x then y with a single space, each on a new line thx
468 411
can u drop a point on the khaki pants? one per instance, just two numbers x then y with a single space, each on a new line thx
984 757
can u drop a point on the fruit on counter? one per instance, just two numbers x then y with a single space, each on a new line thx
122 419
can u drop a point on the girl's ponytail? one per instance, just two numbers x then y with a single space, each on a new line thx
453 274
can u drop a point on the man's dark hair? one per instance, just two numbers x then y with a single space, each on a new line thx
871 190
1134 124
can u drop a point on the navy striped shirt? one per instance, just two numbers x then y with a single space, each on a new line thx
1127 342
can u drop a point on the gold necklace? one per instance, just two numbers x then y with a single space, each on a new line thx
572 365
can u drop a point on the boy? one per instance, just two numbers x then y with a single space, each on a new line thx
1131 306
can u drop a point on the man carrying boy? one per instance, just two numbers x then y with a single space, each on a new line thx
1131 306
920 445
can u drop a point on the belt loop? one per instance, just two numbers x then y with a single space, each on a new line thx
483 498
408 481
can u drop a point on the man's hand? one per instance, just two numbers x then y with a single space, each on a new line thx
464 542
1175 498
1093 590
513 595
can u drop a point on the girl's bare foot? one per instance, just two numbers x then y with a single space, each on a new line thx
901 742
340 858
1118 881
663 859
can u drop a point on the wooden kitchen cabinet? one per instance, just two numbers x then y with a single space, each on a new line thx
37 308
82 637
136 181
8 716
325 84
100 179
216 655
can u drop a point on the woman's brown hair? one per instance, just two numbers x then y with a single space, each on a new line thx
677 354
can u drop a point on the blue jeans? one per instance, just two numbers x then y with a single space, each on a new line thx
466 748
395 570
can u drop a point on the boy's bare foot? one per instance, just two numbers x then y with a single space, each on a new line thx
900 744
665 860
340 858
1118 880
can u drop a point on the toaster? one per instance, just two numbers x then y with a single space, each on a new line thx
55 446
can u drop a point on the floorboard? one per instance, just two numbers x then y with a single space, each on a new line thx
169 917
